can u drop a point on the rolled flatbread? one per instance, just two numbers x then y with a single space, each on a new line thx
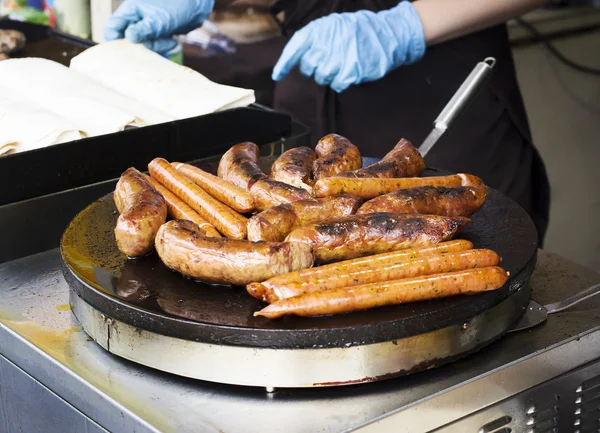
135 71
73 96
25 125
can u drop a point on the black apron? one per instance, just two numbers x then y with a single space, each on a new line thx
491 139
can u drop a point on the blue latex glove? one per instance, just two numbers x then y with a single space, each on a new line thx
154 22
340 50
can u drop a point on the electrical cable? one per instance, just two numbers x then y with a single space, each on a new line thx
560 56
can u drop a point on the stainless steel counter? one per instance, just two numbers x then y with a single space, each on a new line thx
92 390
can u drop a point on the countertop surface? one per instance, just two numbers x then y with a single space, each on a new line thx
40 335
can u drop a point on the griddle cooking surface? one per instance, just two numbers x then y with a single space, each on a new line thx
146 294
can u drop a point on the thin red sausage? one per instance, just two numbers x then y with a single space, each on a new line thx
223 218
392 293
223 190
179 210
388 270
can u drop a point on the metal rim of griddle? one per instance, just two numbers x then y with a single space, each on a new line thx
184 329
300 368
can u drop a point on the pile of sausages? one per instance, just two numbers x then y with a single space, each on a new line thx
319 235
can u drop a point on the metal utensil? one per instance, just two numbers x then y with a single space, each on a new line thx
458 103
536 314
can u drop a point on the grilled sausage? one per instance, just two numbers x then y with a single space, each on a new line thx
403 291
294 167
143 210
363 270
239 165
226 261
275 223
223 190
362 235
457 201
404 160
368 188
335 155
178 210
268 193
223 218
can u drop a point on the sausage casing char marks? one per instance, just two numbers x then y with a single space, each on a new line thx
268 193
239 165
294 167
362 235
275 223
457 201
395 292
143 210
368 188
183 248
404 160
336 154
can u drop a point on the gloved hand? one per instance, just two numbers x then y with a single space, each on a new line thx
340 50
154 22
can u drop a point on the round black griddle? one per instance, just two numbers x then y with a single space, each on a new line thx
147 295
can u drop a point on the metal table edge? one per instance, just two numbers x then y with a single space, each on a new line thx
58 378
399 420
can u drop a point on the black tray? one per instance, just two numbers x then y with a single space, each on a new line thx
45 42
70 165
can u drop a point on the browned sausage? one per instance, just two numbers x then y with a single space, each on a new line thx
335 155
457 201
294 167
362 235
226 261
396 292
178 210
268 193
225 219
368 188
142 210
275 223
223 190
404 160
372 269
239 165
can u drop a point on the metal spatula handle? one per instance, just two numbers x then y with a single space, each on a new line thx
465 93
572 300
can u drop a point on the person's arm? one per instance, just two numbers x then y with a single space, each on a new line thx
448 19
341 50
